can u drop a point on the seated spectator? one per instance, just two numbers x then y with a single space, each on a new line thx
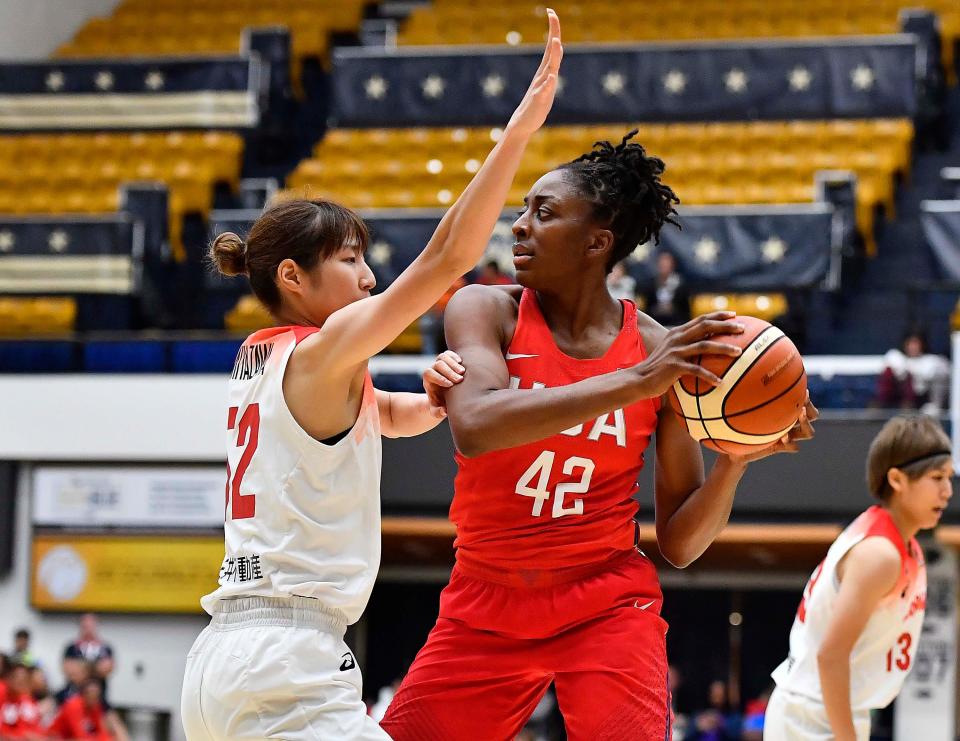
753 717
21 649
912 378
19 712
667 299
90 648
621 284
76 672
41 693
83 716
491 275
717 722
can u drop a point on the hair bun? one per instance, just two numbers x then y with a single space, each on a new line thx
229 253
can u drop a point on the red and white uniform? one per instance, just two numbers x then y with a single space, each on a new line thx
20 717
882 655
548 585
302 536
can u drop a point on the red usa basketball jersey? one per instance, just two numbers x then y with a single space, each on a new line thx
884 652
567 500
302 517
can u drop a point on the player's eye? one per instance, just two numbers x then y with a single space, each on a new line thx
543 213
521 212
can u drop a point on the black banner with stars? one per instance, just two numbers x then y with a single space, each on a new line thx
941 227
731 248
74 254
141 93
856 77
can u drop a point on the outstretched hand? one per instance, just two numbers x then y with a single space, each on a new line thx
538 100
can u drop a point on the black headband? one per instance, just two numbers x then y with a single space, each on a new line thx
923 457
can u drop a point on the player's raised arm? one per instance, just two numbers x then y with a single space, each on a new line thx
362 329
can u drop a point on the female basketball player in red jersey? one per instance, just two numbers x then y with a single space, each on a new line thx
857 627
304 422
562 393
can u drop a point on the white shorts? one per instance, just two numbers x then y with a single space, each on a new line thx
269 668
792 717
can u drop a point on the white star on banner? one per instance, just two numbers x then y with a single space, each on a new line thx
54 80
375 87
154 80
706 250
641 253
58 240
799 78
735 80
774 249
862 77
380 253
7 240
433 86
104 80
613 83
674 82
493 86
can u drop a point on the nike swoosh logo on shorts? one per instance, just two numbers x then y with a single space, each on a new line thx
517 355
643 607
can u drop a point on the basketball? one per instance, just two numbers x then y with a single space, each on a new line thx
760 396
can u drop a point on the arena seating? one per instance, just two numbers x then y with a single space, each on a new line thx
81 173
707 163
508 22
184 27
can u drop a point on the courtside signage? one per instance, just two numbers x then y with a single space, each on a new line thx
115 496
128 573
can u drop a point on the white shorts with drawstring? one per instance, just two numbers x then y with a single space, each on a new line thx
274 668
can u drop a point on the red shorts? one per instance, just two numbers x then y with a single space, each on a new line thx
496 648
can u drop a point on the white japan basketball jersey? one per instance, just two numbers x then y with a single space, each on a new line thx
302 517
883 654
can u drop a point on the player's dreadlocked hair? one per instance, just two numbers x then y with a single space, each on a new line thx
623 183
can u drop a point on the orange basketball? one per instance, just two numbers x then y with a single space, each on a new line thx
760 396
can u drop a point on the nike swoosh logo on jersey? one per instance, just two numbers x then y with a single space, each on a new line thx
643 607
517 355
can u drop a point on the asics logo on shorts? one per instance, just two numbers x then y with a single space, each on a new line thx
348 662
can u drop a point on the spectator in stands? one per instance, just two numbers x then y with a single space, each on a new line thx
40 689
19 713
620 283
491 275
716 722
680 722
21 649
76 673
83 716
4 670
912 378
431 323
667 299
753 716
88 647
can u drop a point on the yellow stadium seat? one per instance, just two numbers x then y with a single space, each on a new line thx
37 315
247 316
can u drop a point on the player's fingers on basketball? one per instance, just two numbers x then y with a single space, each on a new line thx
811 411
694 369
707 347
710 327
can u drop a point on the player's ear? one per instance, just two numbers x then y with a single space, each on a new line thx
897 480
289 276
601 244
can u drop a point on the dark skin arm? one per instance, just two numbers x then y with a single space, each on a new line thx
486 415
